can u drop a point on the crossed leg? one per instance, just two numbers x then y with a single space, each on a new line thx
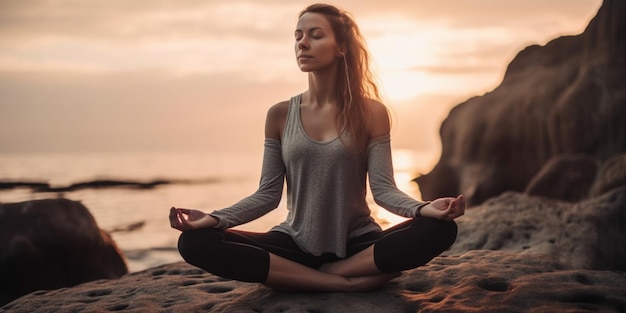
408 245
278 263
340 276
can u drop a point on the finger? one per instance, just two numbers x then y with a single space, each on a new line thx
461 204
456 209
452 206
183 221
462 201
177 221
172 217
180 226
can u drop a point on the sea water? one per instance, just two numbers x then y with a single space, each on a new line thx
138 218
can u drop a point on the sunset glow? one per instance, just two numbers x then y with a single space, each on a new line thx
204 66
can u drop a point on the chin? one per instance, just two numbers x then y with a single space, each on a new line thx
306 69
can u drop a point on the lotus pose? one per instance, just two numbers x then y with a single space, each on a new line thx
324 143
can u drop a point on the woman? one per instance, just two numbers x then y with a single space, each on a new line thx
323 142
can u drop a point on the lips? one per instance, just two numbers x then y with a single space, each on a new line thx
304 57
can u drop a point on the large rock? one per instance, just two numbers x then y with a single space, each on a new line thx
564 98
588 234
478 281
54 243
565 177
611 175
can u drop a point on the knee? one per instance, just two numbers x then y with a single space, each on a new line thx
450 230
186 245
191 243
185 241
445 231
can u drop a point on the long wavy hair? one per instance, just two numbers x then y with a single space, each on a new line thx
355 82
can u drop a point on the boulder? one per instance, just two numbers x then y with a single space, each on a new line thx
564 98
50 244
587 234
565 177
612 175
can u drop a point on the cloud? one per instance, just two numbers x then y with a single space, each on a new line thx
143 20
142 74
213 37
479 13
216 36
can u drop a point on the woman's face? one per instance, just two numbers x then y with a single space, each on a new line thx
315 46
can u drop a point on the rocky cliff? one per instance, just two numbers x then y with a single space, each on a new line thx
567 98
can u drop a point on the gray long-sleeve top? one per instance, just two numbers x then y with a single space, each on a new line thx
326 188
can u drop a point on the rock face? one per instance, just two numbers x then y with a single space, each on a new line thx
565 98
478 281
49 244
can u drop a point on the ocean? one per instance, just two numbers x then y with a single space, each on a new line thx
137 218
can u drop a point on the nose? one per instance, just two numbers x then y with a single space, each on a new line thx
303 44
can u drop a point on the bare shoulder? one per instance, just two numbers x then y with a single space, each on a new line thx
278 110
275 120
379 124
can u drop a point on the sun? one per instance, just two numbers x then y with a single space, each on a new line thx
400 50
398 85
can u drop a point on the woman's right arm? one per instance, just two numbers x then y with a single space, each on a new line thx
266 198
275 120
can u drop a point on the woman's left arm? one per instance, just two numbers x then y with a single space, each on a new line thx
383 185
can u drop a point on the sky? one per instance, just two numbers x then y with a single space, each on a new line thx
101 76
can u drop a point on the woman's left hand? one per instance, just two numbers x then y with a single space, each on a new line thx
447 208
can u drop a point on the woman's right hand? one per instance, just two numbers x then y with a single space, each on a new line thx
187 219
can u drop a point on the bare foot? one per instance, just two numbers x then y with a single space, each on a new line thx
370 283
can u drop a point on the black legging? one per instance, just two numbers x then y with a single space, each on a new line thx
244 256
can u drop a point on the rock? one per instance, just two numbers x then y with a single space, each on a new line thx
565 177
588 234
564 98
53 243
478 281
612 175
